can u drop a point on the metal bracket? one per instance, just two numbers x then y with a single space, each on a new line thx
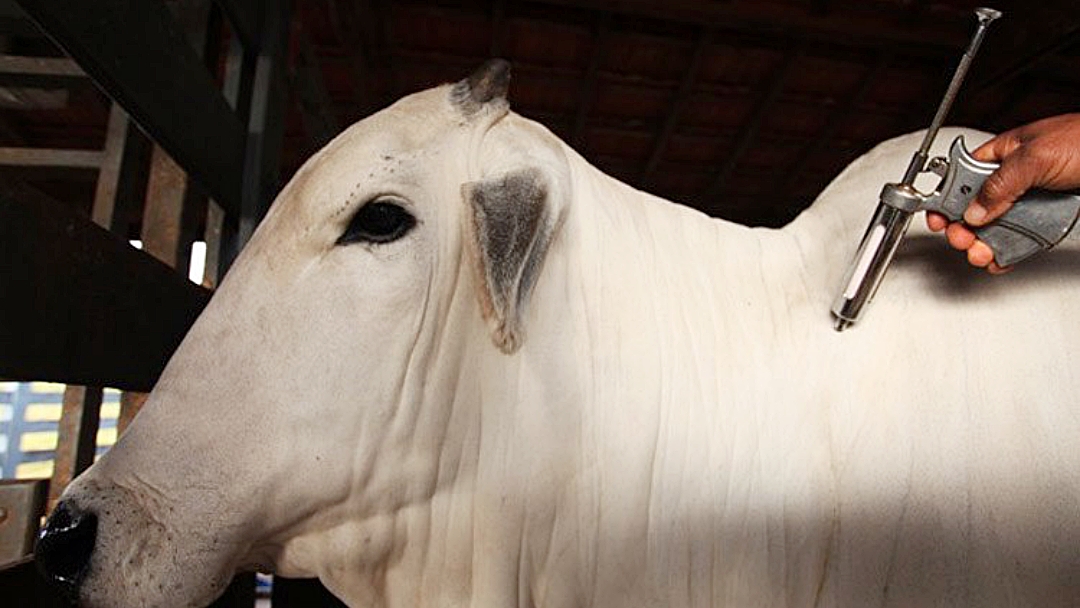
22 503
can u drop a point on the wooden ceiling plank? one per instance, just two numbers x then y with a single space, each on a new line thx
164 86
588 88
43 72
851 29
1023 40
498 22
916 10
355 58
820 7
317 111
836 119
748 132
678 103
361 27
1029 62
44 157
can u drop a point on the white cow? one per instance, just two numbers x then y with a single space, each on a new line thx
459 366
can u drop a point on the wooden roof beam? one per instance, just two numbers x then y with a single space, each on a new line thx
41 72
678 102
498 21
1022 40
361 28
820 7
837 118
97 310
164 86
850 29
602 29
316 109
748 132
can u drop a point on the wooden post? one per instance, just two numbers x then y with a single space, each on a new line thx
81 411
77 441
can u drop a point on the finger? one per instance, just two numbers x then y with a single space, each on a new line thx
936 222
960 237
993 268
1018 173
980 254
998 147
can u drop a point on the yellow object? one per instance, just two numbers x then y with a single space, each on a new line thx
38 441
47 387
106 437
42 412
34 470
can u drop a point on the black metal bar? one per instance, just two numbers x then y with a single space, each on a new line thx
138 54
246 17
266 124
93 310
238 89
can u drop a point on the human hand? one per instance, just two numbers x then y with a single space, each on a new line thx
1043 154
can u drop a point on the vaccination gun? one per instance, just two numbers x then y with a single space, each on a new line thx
1038 220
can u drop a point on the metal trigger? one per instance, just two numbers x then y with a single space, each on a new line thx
938 165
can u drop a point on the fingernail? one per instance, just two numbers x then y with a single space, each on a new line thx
975 214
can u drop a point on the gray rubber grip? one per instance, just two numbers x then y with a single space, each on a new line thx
1038 220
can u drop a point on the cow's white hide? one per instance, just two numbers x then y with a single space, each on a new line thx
679 425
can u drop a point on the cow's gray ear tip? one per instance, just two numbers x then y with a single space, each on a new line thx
506 339
489 82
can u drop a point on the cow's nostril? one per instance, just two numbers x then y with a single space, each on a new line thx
64 547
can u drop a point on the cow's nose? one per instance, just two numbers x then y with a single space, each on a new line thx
65 544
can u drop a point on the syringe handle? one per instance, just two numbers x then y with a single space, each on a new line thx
1038 220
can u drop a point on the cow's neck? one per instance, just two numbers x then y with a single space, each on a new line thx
588 429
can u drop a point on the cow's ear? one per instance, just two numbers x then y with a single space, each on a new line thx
484 87
511 223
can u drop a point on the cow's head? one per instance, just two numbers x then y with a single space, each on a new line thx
328 384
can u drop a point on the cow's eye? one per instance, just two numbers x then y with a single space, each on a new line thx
380 221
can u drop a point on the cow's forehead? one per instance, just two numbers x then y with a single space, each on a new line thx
377 153
410 124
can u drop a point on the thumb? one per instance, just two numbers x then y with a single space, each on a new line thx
1018 173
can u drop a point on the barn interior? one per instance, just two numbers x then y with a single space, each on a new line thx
173 122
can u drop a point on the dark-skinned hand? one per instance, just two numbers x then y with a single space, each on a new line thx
1043 154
